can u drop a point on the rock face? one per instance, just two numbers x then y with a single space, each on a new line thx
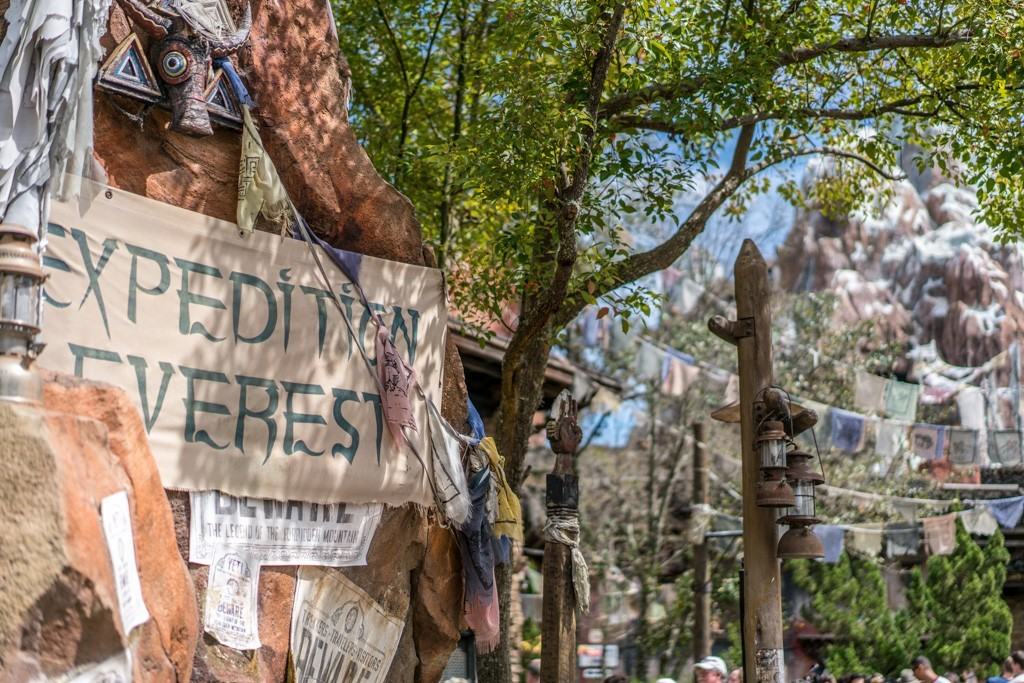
921 270
58 602
297 76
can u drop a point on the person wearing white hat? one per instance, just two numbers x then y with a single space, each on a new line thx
711 670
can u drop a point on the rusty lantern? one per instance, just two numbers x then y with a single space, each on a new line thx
772 491
21 279
800 541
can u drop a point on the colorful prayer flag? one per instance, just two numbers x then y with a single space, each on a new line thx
847 430
928 441
963 446
901 400
869 393
1004 447
940 534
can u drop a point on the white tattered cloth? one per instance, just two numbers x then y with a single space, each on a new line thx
701 515
970 403
890 440
732 390
48 58
979 521
649 362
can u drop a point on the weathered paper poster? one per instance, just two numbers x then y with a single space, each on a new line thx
117 530
339 633
231 601
247 379
116 669
279 532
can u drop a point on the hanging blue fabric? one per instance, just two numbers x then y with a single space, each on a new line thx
476 542
476 424
832 537
1007 511
349 262
241 93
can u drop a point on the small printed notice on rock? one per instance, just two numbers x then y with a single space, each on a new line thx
117 529
231 601
339 633
281 532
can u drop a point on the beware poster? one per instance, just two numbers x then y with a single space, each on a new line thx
339 633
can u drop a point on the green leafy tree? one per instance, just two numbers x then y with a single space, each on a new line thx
968 622
955 607
848 601
529 132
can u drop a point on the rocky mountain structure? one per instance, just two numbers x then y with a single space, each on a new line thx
921 268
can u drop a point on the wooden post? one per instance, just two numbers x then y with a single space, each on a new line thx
701 580
762 586
558 630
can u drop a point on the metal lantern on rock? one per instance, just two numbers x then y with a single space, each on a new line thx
21 278
772 491
800 541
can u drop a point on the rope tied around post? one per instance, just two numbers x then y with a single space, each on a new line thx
563 526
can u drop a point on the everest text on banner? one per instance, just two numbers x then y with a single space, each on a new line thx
339 633
247 379
117 530
278 532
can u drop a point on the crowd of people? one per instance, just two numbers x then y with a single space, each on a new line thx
921 671
714 670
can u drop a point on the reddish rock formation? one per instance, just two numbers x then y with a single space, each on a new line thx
59 609
299 79
918 267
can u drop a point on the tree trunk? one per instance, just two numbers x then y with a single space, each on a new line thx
522 382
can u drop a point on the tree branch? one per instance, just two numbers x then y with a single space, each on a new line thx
665 254
624 122
686 87
403 72
567 197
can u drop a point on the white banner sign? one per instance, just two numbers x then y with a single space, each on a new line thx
339 633
276 532
246 376
117 530
232 593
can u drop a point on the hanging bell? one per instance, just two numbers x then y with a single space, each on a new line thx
800 542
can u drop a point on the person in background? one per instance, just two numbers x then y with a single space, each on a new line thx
924 672
951 676
907 676
1005 675
1017 666
735 676
876 678
533 671
711 670
616 678
855 678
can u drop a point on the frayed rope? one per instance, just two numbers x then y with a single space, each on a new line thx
563 526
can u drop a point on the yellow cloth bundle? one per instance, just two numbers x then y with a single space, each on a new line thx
509 521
